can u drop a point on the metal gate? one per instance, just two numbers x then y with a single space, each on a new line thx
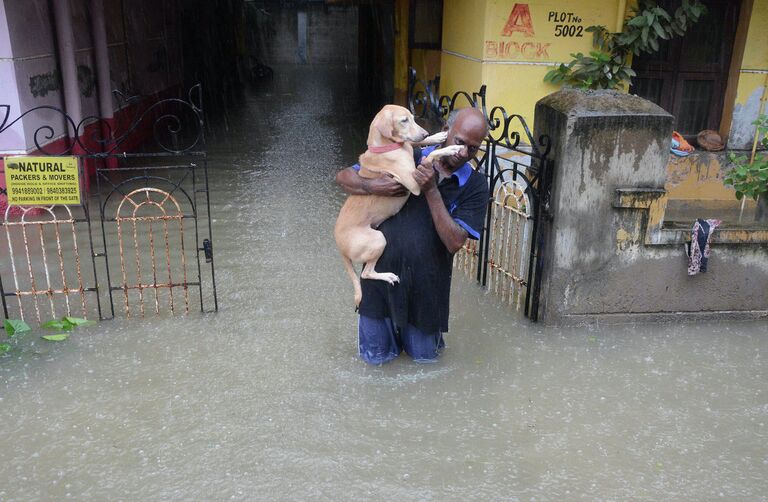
509 257
140 243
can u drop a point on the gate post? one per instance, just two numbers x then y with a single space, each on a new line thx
601 141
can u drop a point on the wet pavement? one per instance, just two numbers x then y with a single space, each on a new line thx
267 400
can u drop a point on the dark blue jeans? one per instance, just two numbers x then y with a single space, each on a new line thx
379 342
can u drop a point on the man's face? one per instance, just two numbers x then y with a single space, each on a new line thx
468 131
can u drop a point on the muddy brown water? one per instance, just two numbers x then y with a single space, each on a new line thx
267 400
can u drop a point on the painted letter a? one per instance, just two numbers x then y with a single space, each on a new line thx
519 20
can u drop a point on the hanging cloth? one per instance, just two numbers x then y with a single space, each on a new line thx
698 249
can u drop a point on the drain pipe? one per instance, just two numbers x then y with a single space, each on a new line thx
65 38
103 82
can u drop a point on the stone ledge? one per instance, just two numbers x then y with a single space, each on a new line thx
654 202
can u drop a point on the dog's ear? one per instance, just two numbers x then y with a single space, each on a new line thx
384 124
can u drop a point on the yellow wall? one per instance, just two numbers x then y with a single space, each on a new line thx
513 55
459 74
464 26
756 50
541 42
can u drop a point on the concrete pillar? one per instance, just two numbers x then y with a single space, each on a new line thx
65 39
601 141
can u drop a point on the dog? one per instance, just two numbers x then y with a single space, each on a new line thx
391 136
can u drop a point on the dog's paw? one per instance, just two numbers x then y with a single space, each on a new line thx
447 151
390 278
436 138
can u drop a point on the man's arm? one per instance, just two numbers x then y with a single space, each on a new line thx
450 232
354 184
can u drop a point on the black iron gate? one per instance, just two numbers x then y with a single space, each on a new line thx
146 221
509 258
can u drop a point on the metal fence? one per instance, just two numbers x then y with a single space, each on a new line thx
508 258
143 236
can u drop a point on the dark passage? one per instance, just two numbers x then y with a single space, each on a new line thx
236 46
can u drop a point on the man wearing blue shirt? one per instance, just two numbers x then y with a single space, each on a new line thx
422 238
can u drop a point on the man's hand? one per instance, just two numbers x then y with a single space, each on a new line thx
384 185
426 177
354 184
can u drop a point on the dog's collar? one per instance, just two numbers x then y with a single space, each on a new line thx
385 148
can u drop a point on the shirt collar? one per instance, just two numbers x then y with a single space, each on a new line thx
463 173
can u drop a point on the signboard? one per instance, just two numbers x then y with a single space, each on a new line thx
545 31
42 181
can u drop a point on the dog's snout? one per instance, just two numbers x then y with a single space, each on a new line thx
422 132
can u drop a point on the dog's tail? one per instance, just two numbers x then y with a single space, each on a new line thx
349 267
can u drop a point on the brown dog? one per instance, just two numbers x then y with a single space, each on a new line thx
390 151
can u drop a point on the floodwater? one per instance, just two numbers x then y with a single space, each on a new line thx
267 399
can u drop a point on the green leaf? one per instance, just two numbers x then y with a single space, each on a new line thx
649 17
56 338
77 321
13 326
662 13
660 31
54 324
739 195
4 347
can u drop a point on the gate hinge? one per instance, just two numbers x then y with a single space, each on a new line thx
208 250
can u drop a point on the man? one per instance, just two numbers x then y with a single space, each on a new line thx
412 315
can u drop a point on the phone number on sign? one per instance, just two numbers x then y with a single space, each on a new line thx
28 190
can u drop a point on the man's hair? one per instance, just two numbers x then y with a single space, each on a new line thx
452 119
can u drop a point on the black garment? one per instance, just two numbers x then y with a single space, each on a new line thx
417 255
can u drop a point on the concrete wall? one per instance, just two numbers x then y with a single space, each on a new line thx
609 256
